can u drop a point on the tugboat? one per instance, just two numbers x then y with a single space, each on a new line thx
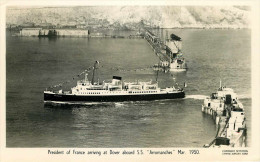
229 115
115 91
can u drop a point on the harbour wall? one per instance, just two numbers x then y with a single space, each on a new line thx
221 117
39 32
31 32
28 32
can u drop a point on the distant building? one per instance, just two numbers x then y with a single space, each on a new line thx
72 32
30 31
45 25
44 32
11 26
68 26
27 25
81 26
54 32
94 25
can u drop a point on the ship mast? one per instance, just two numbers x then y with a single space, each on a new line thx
157 75
157 72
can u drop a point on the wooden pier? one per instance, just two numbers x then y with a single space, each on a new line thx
157 45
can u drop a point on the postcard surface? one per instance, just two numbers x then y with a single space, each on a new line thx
124 81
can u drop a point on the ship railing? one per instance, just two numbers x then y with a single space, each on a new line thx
93 89
66 92
80 83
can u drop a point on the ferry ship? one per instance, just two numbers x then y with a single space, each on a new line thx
114 91
229 115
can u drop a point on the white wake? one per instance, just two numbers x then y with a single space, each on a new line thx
197 97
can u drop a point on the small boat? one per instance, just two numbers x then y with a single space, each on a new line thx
115 91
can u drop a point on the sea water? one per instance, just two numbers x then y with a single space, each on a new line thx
34 64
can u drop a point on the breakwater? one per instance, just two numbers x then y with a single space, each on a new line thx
39 32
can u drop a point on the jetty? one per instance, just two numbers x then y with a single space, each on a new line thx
168 51
40 32
228 113
157 45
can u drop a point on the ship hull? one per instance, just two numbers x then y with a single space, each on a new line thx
112 98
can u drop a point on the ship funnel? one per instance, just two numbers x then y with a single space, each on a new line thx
116 80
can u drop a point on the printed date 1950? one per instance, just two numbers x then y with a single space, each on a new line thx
194 151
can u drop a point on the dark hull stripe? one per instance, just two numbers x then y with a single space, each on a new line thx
119 98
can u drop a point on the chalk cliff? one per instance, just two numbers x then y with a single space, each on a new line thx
134 16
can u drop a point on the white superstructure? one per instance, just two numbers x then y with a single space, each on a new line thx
117 86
